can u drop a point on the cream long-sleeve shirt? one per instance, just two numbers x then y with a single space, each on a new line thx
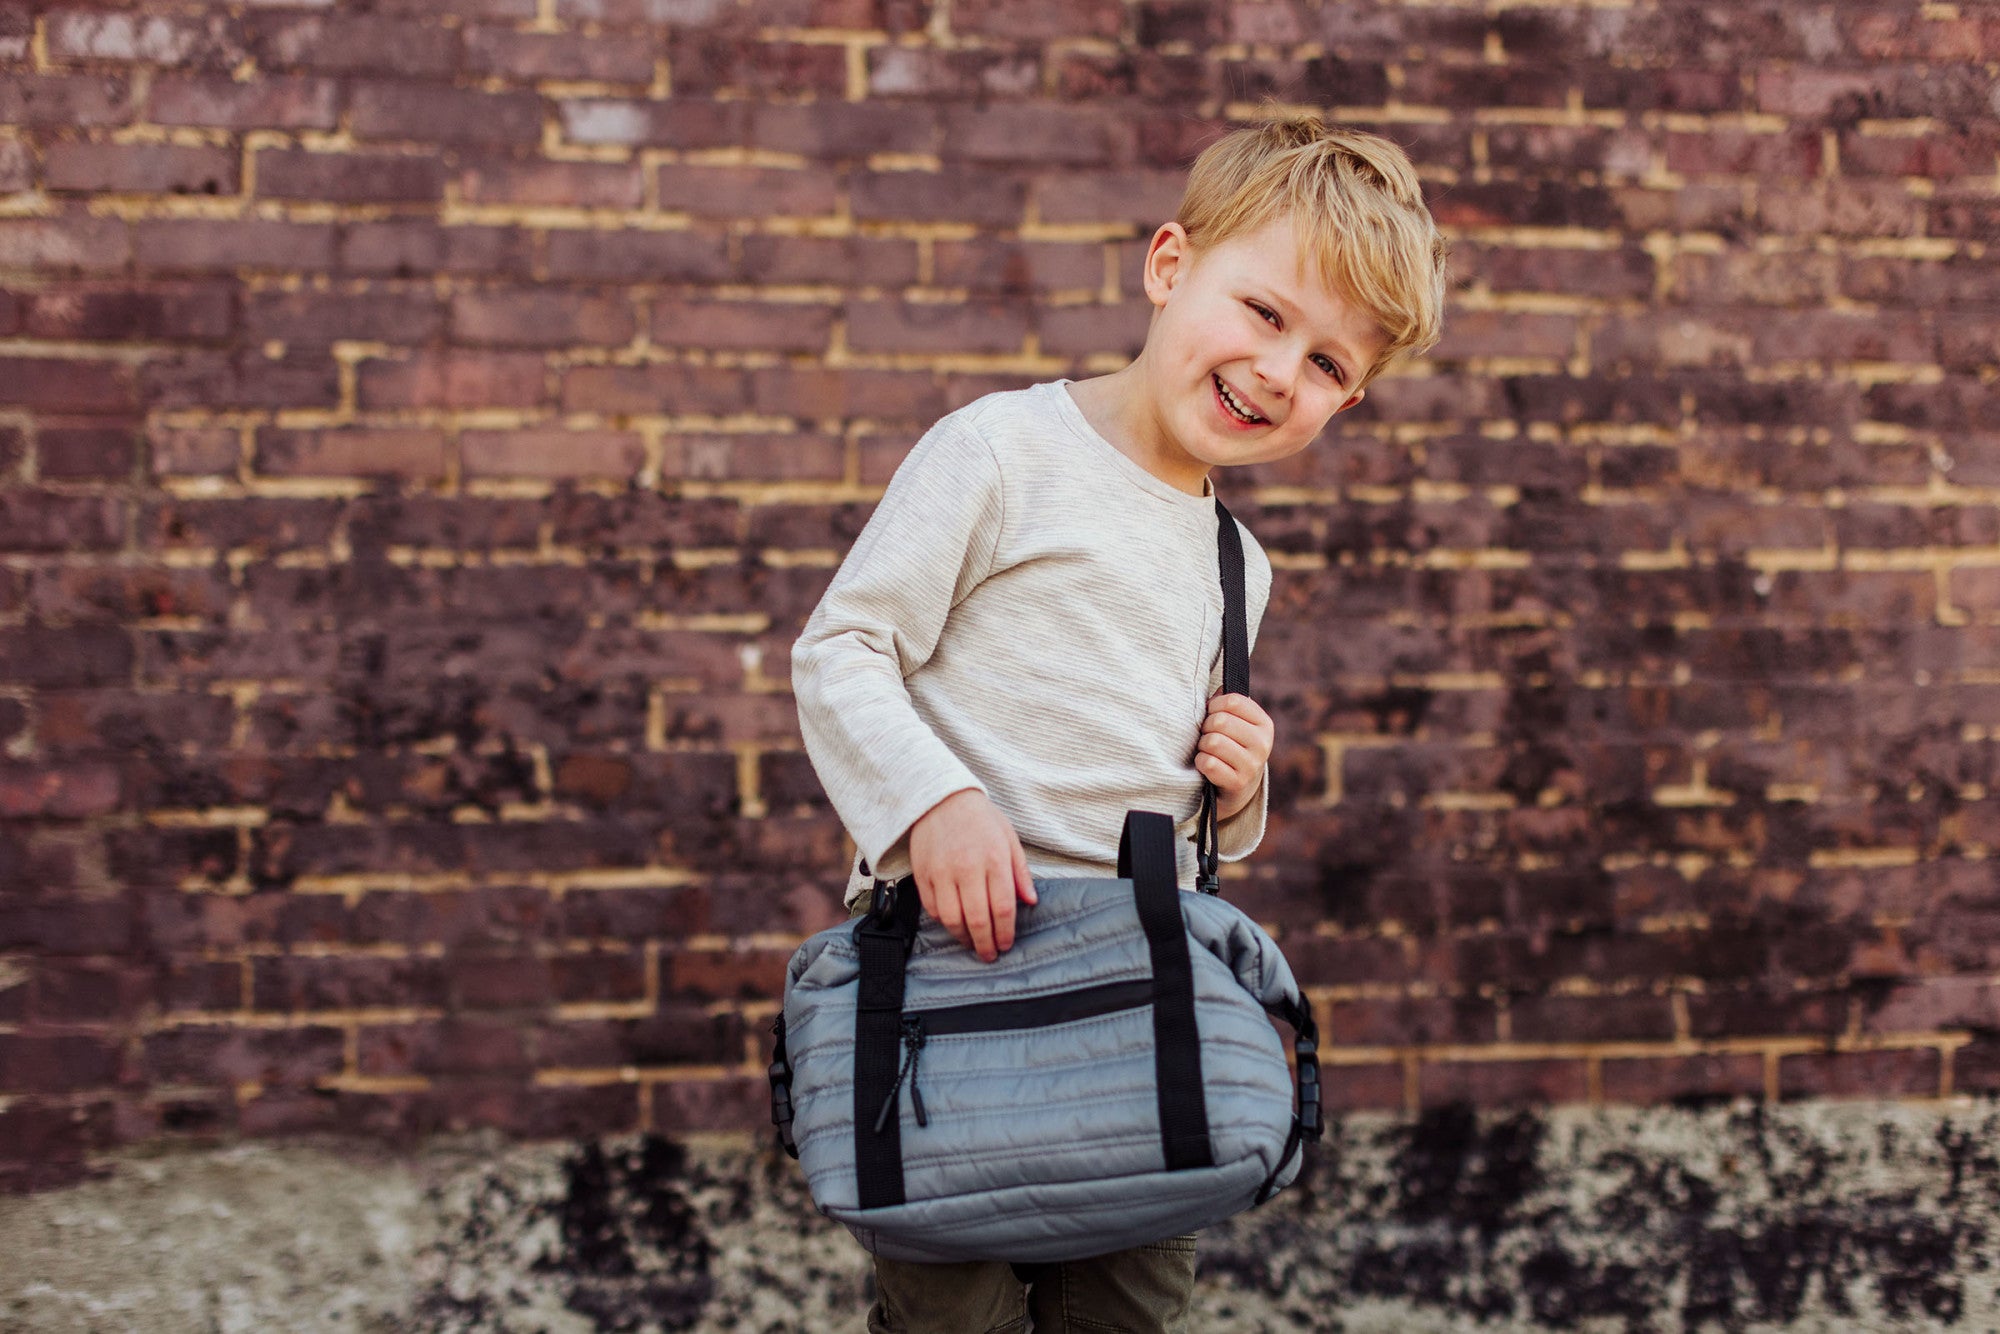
1031 613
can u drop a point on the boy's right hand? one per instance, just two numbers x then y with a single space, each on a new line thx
970 870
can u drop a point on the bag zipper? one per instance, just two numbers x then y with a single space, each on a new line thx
913 1047
1062 1007
998 1016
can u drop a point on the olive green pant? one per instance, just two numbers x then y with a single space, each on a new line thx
1143 1290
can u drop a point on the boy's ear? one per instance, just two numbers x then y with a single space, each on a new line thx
1167 257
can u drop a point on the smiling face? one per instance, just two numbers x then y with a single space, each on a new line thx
1248 357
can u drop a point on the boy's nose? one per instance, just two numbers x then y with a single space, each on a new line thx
1271 372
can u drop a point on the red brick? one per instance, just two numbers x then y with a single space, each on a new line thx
1361 1088
270 101
349 177
1082 330
728 1104
1667 1079
599 976
51 1063
211 985
884 326
1619 1018
290 983
985 197
430 113
453 378
735 974
36 521
64 385
350 452
657 388
353 44
680 122
713 62
756 457
68 100
1501 1083
636 256
1976 589
1056 136
209 40
541 318
553 454
1038 20
843 130
17 167
1406 1021
680 1034
1144 197
406 249
903 71
167 312
451 1046
787 326
140 168
165 245
525 56
69 792
559 184
847 261
1841 208
386 316
747 192
1910 1073
1794 154
206 1054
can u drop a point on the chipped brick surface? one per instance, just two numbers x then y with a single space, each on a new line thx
423 432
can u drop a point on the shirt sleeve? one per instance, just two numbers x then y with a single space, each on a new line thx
930 540
1238 836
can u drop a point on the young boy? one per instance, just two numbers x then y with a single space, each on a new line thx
1024 641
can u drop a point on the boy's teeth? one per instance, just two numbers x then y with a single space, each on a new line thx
1235 405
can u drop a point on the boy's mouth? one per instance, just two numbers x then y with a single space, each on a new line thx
1235 406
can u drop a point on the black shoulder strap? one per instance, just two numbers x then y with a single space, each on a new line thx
1235 681
1146 858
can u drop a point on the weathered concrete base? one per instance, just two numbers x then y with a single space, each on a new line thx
1822 1218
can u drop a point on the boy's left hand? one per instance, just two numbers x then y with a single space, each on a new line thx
1236 740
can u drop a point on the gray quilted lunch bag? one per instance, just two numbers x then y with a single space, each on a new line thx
1112 1080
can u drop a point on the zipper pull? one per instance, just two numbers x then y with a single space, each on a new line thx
913 1029
913 1042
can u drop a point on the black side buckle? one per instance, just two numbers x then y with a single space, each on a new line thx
881 918
781 1091
1311 1124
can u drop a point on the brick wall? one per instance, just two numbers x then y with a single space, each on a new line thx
423 429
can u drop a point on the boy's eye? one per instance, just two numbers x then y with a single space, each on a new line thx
1267 314
1327 364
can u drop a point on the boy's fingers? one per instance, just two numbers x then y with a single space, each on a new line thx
1239 706
1229 750
1000 897
979 921
1024 879
949 913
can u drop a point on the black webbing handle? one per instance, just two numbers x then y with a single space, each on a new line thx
883 939
1235 681
1146 858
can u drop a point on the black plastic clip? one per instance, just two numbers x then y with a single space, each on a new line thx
1311 1123
781 1090
890 915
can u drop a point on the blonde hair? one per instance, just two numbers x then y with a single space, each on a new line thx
1359 209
